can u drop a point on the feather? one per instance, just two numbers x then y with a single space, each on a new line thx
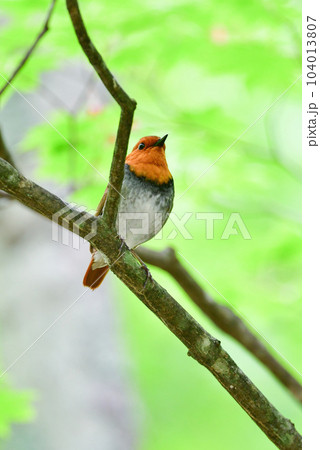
94 277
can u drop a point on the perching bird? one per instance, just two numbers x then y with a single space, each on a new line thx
146 201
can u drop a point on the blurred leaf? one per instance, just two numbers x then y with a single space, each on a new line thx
15 407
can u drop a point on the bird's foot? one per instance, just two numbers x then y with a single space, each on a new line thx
122 246
144 267
148 275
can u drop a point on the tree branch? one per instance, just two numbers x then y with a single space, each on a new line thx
201 345
222 316
126 104
43 31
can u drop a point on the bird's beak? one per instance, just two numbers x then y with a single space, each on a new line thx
161 141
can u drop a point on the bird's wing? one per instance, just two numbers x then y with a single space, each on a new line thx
101 203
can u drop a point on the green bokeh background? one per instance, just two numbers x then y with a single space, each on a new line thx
202 72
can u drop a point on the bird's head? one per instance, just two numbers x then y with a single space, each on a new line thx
148 159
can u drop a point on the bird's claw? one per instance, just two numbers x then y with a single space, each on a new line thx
122 245
148 274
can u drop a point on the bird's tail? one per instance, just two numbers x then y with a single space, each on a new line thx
94 277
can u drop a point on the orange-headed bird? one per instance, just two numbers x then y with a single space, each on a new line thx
146 202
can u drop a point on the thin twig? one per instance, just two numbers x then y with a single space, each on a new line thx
43 31
126 104
201 345
221 315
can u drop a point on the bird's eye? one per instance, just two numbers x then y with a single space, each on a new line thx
141 146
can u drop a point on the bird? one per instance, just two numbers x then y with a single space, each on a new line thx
146 201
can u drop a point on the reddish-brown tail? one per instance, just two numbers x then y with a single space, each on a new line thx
93 278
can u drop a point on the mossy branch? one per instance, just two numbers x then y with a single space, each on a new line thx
200 344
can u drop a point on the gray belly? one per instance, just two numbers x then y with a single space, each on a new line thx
144 209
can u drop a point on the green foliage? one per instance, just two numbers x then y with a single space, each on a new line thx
202 72
15 407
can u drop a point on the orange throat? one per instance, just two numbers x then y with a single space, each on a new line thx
151 164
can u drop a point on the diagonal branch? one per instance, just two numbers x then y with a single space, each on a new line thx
43 31
126 104
201 345
222 316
